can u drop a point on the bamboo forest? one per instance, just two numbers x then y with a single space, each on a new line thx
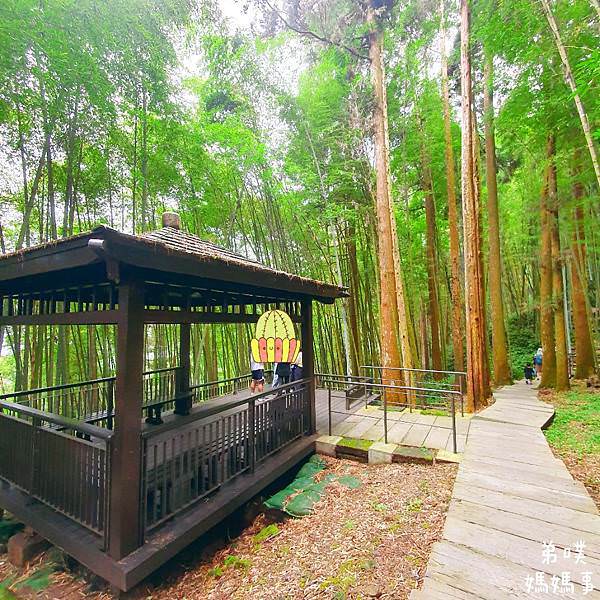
440 161
299 299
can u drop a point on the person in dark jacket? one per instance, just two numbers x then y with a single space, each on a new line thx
297 370
529 373
283 372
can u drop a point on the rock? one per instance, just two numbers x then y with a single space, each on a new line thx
24 546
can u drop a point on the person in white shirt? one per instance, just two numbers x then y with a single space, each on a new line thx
258 376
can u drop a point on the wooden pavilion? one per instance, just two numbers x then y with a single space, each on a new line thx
123 472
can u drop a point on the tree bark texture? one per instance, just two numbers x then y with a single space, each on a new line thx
546 310
502 373
584 346
478 373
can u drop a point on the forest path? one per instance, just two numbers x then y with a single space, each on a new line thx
510 496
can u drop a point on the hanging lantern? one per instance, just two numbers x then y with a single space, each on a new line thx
275 338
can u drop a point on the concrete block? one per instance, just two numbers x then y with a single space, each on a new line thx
381 453
25 546
326 444
411 454
448 457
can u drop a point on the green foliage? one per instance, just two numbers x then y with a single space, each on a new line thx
576 424
523 339
355 443
235 562
8 527
5 593
414 505
39 580
216 572
434 412
266 533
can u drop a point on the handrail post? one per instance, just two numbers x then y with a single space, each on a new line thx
385 425
329 407
107 485
252 433
453 423
110 403
35 424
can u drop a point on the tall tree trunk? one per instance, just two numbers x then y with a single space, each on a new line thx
584 346
453 229
353 302
502 374
546 310
432 267
144 161
334 237
478 370
390 355
134 171
31 200
560 333
570 80
425 363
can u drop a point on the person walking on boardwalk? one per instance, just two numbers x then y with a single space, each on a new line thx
283 371
296 372
257 384
529 373
537 361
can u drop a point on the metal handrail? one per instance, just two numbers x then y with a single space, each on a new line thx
54 388
451 393
79 426
67 386
410 369
398 387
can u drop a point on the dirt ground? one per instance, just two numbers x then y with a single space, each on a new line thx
369 542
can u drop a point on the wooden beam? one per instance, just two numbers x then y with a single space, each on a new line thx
308 359
183 403
186 316
92 317
125 531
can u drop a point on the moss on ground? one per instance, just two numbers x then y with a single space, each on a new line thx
355 443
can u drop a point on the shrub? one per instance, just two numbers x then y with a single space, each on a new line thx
523 341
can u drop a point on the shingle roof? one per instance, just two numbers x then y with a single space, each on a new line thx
188 242
165 249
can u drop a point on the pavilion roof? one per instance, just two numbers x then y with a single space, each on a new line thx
167 252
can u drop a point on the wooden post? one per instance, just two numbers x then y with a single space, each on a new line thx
308 359
125 532
183 402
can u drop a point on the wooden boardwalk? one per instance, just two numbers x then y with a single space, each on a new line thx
517 517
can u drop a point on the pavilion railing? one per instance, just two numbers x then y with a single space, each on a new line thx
202 392
63 463
183 463
93 401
